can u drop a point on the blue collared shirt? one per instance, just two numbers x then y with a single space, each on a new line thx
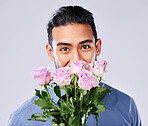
121 111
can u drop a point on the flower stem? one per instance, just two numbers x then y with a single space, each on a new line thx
51 120
73 104
66 94
50 97
41 90
100 79
81 101
85 121
75 82
47 92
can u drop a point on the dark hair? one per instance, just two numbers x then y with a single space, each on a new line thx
68 15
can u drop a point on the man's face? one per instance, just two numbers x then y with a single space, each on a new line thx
73 42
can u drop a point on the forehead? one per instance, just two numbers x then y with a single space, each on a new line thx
72 33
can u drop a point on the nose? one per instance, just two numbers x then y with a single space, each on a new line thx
76 56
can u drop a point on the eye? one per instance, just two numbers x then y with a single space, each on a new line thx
64 49
86 47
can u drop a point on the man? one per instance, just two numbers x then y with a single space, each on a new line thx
72 37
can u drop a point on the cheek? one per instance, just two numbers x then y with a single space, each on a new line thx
62 59
89 56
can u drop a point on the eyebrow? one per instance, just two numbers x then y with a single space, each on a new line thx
82 42
86 41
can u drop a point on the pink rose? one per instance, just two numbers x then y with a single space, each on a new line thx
87 80
62 76
99 67
77 66
42 76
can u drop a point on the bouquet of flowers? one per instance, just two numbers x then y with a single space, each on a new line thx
83 94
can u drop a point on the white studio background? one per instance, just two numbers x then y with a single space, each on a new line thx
121 24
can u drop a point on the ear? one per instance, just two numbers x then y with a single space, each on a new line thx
98 46
49 52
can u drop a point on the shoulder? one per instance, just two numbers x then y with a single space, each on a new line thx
119 100
124 104
23 112
25 106
21 115
117 94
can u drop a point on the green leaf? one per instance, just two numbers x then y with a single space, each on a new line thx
45 112
101 93
70 120
44 94
44 103
52 113
97 116
65 112
38 117
57 119
88 110
54 125
101 89
84 92
61 124
57 91
100 108
90 95
76 120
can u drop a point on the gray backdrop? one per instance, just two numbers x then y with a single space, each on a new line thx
121 24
